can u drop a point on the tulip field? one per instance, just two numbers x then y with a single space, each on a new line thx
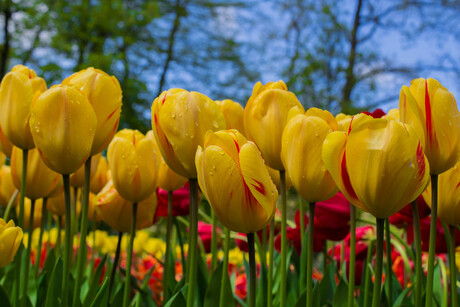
220 205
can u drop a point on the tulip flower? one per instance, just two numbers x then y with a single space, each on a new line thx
275 176
7 187
104 94
10 240
233 113
77 179
56 204
40 179
19 88
392 114
343 121
101 176
133 165
93 210
404 217
5 144
181 202
37 215
377 113
205 234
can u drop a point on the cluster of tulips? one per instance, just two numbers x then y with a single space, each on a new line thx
241 160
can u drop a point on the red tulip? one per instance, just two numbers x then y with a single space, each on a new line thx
332 218
404 217
181 202
378 113
205 234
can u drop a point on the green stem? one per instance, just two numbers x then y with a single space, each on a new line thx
115 263
82 254
271 245
432 247
25 154
181 244
40 238
58 236
223 283
418 254
283 240
453 267
192 248
351 274
168 248
10 205
367 279
388 267
311 214
25 280
252 270
73 216
213 242
378 264
126 295
68 241
303 260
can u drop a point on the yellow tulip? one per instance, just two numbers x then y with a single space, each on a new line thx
379 165
168 179
63 124
180 120
233 177
104 94
10 239
301 151
132 163
448 195
5 144
343 121
392 114
275 176
233 113
7 187
117 212
93 210
431 109
77 179
266 115
56 203
40 179
37 212
2 158
19 88
101 177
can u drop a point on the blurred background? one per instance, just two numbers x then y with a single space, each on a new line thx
347 56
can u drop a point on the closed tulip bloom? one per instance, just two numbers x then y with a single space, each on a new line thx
104 94
275 176
101 177
5 144
431 109
2 158
180 120
302 144
19 88
93 210
392 114
133 165
233 177
233 113
343 121
63 124
10 239
77 179
266 115
448 196
379 165
37 212
40 179
117 212
7 187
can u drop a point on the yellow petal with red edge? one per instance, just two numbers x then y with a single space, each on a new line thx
411 114
229 140
200 171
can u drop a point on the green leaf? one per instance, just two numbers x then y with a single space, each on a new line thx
94 283
212 297
117 299
327 285
177 300
4 298
53 294
341 294
41 288
202 279
25 302
403 299
102 295
437 285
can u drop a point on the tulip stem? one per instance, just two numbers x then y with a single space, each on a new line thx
10 205
303 260
432 247
126 295
252 270
82 254
367 279
311 213
453 267
181 244
213 242
351 275
40 238
271 245
283 240
388 267
418 254
168 248
378 265
68 241
25 280
192 248
223 283
17 268
115 263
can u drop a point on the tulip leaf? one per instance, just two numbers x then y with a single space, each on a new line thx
49 264
94 283
25 302
403 299
102 295
8 279
4 298
327 285
202 279
177 300
341 294
437 285
41 288
212 296
53 294
262 286
117 299
301 300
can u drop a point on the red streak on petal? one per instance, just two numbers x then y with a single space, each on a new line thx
111 114
237 146
429 124
351 122
164 99
259 187
420 161
458 185
346 178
